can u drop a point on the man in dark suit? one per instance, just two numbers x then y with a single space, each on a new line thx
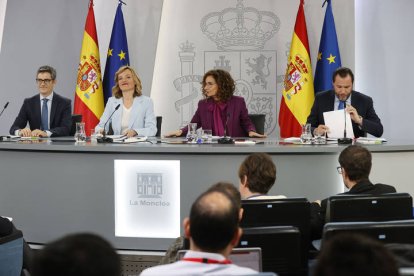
48 113
359 106
355 167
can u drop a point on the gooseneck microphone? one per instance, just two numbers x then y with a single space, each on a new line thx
226 139
5 106
344 140
105 139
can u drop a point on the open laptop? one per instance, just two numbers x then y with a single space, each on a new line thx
250 257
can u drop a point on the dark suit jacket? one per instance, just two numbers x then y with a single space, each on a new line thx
6 227
238 122
371 123
60 115
318 213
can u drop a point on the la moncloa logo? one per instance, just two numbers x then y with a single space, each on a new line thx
149 185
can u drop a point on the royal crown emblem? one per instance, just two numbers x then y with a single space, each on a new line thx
88 79
296 73
240 28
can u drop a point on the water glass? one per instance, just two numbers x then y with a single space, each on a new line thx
95 135
208 136
319 136
306 136
191 132
80 135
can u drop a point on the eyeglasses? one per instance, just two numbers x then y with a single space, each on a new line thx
339 169
45 81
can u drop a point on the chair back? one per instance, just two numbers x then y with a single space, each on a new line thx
385 207
11 254
258 121
76 118
159 123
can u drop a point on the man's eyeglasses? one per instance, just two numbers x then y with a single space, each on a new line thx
45 81
339 169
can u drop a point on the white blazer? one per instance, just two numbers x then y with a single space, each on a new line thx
142 118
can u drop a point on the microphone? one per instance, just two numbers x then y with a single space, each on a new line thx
344 140
105 139
5 106
225 139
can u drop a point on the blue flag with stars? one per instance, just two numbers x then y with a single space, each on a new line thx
329 58
118 54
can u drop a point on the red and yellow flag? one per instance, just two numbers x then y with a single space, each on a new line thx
298 92
89 99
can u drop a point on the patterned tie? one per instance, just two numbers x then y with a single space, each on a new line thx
45 111
341 105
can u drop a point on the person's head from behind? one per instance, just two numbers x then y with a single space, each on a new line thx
81 254
356 255
213 225
232 191
46 80
356 163
257 174
126 79
342 82
218 85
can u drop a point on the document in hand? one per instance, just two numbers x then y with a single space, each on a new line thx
335 121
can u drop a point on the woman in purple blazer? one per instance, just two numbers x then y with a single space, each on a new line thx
221 111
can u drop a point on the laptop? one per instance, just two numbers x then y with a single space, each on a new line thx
250 257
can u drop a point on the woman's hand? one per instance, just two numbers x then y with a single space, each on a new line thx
130 133
257 135
175 133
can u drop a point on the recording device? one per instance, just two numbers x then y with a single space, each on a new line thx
344 140
105 139
226 139
5 106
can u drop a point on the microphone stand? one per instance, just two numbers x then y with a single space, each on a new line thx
5 106
344 140
105 139
226 139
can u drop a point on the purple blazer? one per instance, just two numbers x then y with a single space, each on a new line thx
238 121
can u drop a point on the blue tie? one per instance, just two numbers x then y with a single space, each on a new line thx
341 105
45 111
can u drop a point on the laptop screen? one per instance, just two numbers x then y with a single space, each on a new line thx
245 257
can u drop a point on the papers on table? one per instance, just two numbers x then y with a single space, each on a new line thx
368 141
334 120
124 140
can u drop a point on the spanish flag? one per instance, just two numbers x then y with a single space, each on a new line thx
298 92
89 100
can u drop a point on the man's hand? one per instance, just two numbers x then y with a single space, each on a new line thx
354 114
39 133
321 129
25 132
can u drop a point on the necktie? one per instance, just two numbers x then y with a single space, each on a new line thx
341 105
45 112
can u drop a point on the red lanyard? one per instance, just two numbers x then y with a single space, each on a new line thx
206 261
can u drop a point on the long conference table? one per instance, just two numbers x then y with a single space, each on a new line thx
55 188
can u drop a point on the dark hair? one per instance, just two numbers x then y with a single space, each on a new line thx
356 161
214 220
260 171
116 91
343 72
77 255
230 189
47 69
356 255
226 84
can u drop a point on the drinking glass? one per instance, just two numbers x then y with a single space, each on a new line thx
319 136
191 133
208 136
306 136
80 135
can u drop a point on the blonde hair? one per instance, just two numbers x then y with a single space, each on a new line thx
116 91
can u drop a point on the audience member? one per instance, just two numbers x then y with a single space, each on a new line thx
77 255
180 243
257 175
359 106
355 167
213 230
356 255
47 113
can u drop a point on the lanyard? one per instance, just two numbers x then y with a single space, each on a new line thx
206 261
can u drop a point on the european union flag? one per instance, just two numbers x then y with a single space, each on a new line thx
328 56
118 54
